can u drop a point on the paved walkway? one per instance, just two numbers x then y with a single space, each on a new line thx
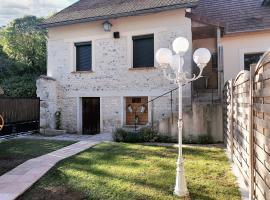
64 137
18 180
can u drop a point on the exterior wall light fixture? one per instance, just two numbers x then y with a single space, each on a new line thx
107 26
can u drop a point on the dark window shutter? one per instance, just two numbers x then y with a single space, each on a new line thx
84 56
143 51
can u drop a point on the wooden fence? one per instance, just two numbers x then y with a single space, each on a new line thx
246 125
20 114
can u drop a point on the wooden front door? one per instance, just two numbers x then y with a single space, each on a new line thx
91 115
136 103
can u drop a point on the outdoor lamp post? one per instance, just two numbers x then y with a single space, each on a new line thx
167 60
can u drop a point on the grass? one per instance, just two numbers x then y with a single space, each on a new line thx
118 171
16 152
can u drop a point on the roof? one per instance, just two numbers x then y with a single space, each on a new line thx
94 10
236 15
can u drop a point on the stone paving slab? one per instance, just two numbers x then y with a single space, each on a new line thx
17 181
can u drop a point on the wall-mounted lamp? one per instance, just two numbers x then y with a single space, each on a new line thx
107 26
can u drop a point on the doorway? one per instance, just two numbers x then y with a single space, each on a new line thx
136 110
91 115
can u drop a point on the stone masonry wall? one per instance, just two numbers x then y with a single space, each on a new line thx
113 77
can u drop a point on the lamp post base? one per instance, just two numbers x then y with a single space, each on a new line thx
180 186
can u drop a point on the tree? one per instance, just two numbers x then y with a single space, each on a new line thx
22 56
25 42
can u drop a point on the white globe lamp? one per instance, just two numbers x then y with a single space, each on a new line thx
180 45
164 56
201 57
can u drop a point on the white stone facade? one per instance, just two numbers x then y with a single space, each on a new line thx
113 77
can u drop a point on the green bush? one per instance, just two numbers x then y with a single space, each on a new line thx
165 139
201 139
23 85
205 139
146 134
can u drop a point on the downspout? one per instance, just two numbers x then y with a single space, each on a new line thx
220 63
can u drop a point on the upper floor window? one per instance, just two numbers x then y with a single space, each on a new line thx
143 51
83 56
252 58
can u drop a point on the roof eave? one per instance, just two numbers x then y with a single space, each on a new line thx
126 14
205 20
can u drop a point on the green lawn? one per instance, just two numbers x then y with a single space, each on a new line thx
115 171
16 152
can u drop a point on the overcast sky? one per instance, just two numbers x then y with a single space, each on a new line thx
11 9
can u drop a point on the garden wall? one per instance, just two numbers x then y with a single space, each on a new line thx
246 126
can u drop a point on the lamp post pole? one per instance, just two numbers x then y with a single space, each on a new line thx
180 185
176 74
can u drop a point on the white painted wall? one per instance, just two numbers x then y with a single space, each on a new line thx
235 46
112 78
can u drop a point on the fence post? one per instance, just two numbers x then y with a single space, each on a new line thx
251 134
231 118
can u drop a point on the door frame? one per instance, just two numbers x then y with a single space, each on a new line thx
150 108
80 114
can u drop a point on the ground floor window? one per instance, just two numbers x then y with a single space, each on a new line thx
251 58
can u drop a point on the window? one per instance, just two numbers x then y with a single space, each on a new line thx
136 100
251 59
83 56
143 51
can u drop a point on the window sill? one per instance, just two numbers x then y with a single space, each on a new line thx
83 72
142 68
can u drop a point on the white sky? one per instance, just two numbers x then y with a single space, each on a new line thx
11 9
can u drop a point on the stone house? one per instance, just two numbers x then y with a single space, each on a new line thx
101 70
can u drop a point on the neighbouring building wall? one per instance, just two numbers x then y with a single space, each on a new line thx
210 77
203 121
236 46
113 77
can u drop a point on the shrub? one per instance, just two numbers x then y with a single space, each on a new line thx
58 119
165 139
205 139
201 139
119 135
146 134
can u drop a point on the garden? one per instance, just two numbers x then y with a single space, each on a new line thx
16 152
121 171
